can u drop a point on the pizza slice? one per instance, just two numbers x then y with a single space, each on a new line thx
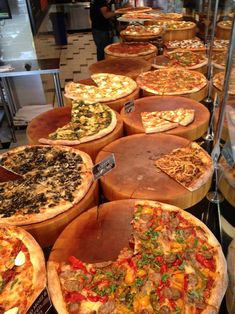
154 124
181 115
190 166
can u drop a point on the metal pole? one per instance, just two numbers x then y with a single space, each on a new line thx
228 70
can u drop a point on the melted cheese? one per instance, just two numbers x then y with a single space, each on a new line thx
87 307
14 310
20 259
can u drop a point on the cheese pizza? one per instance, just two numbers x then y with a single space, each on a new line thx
175 25
88 122
171 81
218 82
107 87
131 9
159 121
22 270
54 178
191 166
141 31
219 60
194 44
173 264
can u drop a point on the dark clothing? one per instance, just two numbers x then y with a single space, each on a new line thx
98 21
101 39
101 27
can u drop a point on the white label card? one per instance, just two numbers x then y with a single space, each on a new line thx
42 304
103 167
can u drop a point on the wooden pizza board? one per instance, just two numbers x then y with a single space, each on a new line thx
226 130
133 123
46 232
138 38
136 176
148 57
122 66
49 121
223 32
198 96
227 190
159 60
94 236
115 104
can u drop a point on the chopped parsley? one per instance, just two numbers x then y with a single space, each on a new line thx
165 276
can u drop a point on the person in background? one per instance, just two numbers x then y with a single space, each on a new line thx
101 15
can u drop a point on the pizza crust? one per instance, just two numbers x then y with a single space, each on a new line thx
55 288
151 49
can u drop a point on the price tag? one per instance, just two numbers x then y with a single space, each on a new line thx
103 167
227 152
42 304
129 106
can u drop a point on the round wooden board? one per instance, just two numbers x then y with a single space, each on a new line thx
227 190
133 123
99 227
226 129
148 57
123 66
46 232
138 38
223 32
49 121
136 176
198 96
115 104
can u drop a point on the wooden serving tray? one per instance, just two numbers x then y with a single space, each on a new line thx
46 232
115 104
225 130
94 236
148 57
227 190
49 121
198 96
223 32
123 66
136 176
133 123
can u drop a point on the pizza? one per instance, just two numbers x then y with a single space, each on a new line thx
138 16
225 24
219 60
89 121
53 179
22 270
182 58
169 16
130 49
171 81
191 166
218 82
220 44
227 171
175 25
173 264
130 9
141 31
108 87
194 44
159 121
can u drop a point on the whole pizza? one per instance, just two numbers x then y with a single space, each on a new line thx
53 179
225 24
182 58
137 16
220 44
218 82
142 31
89 121
175 25
22 270
172 81
173 264
130 49
227 171
131 9
194 44
108 87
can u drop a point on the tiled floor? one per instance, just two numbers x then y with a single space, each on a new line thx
75 58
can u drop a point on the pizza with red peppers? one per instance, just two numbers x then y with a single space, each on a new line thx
173 265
